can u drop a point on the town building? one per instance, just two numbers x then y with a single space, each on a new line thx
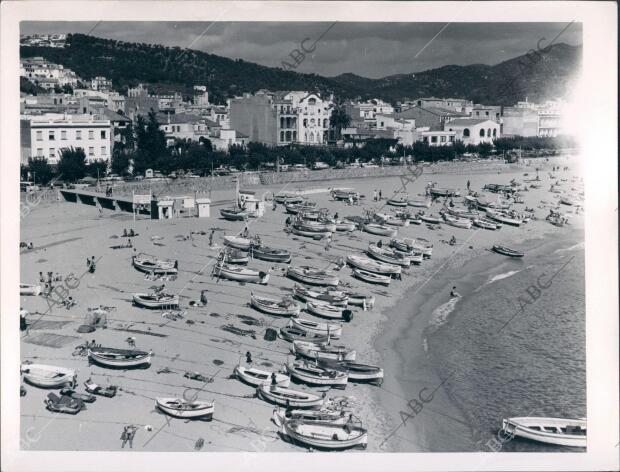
459 105
101 84
48 103
116 102
365 112
488 112
201 96
139 102
46 74
519 121
184 126
436 137
429 117
474 131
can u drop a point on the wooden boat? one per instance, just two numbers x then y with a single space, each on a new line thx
265 253
240 274
506 251
47 376
155 300
311 374
462 213
380 230
236 256
568 201
315 226
344 194
238 242
124 358
391 220
282 307
288 397
29 289
424 246
344 226
333 297
234 214
257 377
328 436
313 276
419 202
357 372
457 222
288 198
503 218
151 264
371 277
280 415
333 330
398 201
373 266
430 218
485 224
384 254
300 231
295 208
291 333
309 216
325 310
361 299
181 408
320 351
444 192
559 431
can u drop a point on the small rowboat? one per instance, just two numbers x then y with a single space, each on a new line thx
124 358
506 251
371 277
181 408
299 231
234 214
462 213
357 372
269 254
295 208
324 310
342 194
386 255
444 192
47 376
321 435
236 256
361 299
333 330
560 431
485 224
313 375
430 218
373 266
288 198
151 264
457 222
240 274
256 377
398 201
238 243
380 230
568 201
155 300
333 297
288 397
29 289
345 226
324 416
281 307
503 218
313 276
320 351
384 218
316 226
419 203
291 333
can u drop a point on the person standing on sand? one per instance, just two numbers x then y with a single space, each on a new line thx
374 195
380 195
248 357
211 238
468 184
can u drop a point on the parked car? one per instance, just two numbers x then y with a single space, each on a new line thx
299 167
320 166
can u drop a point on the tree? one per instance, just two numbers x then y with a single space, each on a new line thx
120 162
67 89
339 119
40 170
152 152
72 164
97 168
484 149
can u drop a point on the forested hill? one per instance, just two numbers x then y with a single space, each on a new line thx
167 69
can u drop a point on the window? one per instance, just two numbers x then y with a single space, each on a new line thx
494 132
281 135
425 139
294 135
39 152
451 139
288 136
481 133
486 113
51 136
91 134
91 151
489 133
477 113
78 134
103 134
39 135
52 152
433 139
305 122
443 139
325 123
103 150
466 132
281 122
63 134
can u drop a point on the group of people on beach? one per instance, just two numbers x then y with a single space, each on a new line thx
377 196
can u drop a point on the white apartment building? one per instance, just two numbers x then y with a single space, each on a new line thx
313 115
101 84
46 74
474 131
50 134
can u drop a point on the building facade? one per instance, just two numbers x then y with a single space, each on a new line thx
474 131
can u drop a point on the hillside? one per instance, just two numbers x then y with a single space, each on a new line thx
174 69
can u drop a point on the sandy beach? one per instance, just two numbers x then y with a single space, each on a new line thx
66 234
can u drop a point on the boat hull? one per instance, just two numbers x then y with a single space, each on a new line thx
256 377
142 359
325 441
289 398
328 329
519 427
203 410
145 301
46 376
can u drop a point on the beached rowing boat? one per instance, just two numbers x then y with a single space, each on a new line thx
311 374
321 351
181 408
398 201
391 220
240 274
380 230
430 218
47 376
238 242
506 251
325 310
503 218
235 256
151 264
234 214
265 253
29 289
333 297
444 192
280 415
155 300
288 397
358 372
559 431
419 202
565 200
257 377
373 266
292 333
315 226
361 299
384 254
123 358
333 330
288 198
282 307
371 277
344 194
345 226
457 222
313 276
309 233
485 224
295 208
329 436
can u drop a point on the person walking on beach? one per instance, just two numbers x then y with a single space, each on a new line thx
211 237
328 242
380 195
128 434
468 184
248 357
374 195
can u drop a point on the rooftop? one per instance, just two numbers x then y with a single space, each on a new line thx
468 121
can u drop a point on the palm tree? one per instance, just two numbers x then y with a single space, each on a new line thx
339 119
